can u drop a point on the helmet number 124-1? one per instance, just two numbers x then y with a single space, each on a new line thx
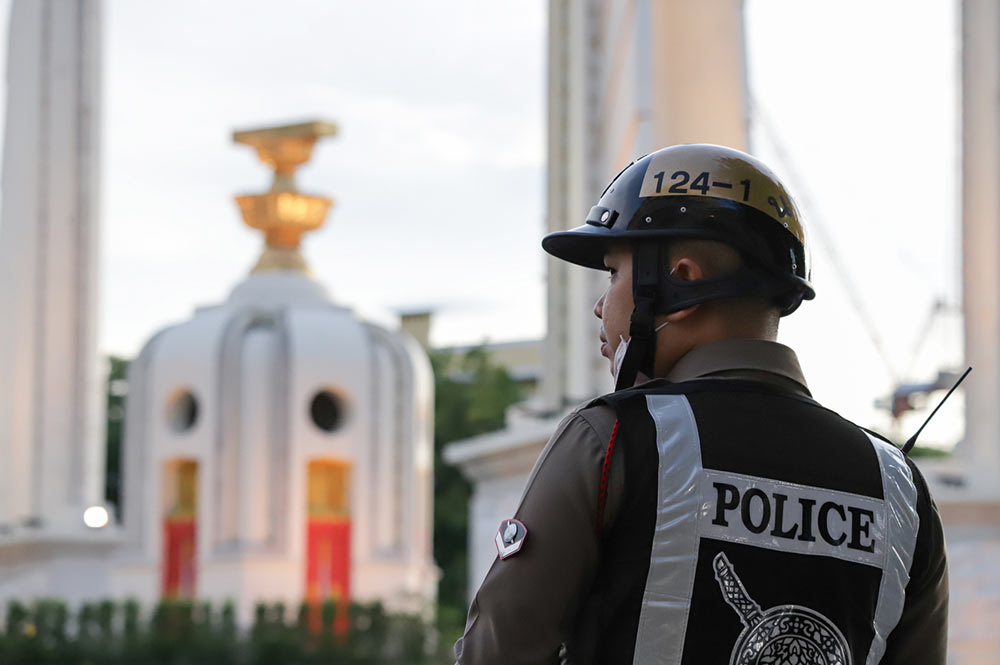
702 183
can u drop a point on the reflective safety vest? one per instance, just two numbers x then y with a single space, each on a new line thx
756 526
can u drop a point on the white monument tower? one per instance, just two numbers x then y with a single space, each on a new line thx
620 85
609 105
969 499
980 451
51 429
276 446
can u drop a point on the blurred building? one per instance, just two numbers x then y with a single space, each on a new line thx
968 489
523 360
276 446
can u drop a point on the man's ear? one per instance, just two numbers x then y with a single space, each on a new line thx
687 270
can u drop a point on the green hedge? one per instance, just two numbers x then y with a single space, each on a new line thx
185 633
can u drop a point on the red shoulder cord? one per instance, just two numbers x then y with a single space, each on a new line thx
602 497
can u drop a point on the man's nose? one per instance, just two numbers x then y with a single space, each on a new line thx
599 308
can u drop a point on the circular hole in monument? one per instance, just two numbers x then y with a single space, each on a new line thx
182 410
326 411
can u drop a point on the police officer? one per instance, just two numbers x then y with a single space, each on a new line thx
716 513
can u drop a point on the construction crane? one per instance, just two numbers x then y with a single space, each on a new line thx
905 396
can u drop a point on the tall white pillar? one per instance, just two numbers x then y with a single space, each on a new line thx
571 358
980 451
622 82
51 429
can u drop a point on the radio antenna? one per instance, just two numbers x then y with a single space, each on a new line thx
913 439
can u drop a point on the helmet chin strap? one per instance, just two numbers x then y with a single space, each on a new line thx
655 291
641 345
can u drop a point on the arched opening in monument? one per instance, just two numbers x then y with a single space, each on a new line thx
328 534
180 519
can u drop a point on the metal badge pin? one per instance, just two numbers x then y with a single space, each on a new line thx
510 538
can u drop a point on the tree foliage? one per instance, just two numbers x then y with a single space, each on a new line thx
472 394
116 389
187 633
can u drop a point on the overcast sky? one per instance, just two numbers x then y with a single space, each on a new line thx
438 170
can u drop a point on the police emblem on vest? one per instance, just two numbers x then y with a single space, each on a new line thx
783 635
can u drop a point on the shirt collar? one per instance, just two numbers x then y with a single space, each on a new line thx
740 358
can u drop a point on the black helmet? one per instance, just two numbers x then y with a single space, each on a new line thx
693 191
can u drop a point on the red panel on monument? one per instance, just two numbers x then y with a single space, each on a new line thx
179 562
179 557
328 559
328 540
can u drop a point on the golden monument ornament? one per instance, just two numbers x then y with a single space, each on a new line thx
284 213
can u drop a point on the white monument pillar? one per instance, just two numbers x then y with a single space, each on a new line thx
622 84
571 370
51 429
979 453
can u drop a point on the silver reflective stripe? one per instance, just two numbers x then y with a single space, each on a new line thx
901 530
674 556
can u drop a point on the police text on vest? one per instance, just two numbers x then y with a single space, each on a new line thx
791 517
